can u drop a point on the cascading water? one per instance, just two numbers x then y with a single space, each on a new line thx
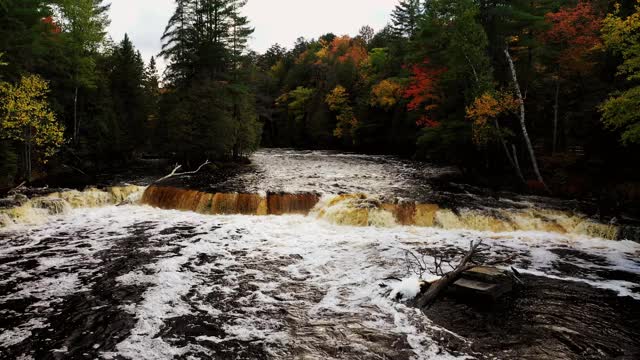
363 210
298 259
38 209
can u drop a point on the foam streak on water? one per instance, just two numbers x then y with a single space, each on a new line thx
328 172
141 283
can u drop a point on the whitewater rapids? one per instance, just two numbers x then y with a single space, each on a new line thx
136 282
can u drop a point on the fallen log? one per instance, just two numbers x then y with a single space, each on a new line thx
437 287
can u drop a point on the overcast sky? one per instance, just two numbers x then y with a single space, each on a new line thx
276 21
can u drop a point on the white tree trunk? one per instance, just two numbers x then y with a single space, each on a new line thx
513 160
523 125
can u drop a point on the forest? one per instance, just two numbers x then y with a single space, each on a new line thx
533 95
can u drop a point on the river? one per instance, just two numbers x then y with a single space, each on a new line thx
298 258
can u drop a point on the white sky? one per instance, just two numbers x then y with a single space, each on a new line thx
276 21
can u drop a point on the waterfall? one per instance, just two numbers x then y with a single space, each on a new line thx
229 203
365 210
38 209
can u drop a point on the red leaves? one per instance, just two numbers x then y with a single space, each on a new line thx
576 31
422 91
54 28
425 121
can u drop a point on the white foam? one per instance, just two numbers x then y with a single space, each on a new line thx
315 271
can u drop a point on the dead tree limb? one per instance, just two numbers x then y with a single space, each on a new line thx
19 186
178 167
15 189
447 279
74 168
416 265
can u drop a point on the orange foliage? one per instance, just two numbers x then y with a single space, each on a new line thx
422 91
487 107
54 28
576 32
344 49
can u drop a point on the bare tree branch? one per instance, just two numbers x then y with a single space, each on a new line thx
74 168
447 279
418 267
19 186
178 167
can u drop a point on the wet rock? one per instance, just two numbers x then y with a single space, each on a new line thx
545 319
483 283
13 201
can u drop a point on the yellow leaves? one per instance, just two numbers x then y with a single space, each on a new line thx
487 107
386 94
338 101
322 53
483 108
25 115
620 111
338 98
623 36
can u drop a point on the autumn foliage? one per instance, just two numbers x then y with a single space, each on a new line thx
577 32
342 49
26 116
53 27
386 94
422 91
338 101
486 108
620 112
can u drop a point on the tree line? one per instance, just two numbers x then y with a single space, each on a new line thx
539 93
73 100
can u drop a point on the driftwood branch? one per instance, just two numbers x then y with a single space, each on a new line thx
447 279
467 263
176 173
19 186
15 189
415 264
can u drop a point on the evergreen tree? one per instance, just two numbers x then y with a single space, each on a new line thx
239 34
177 44
84 24
406 16
23 37
204 38
152 97
205 44
152 79
128 92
